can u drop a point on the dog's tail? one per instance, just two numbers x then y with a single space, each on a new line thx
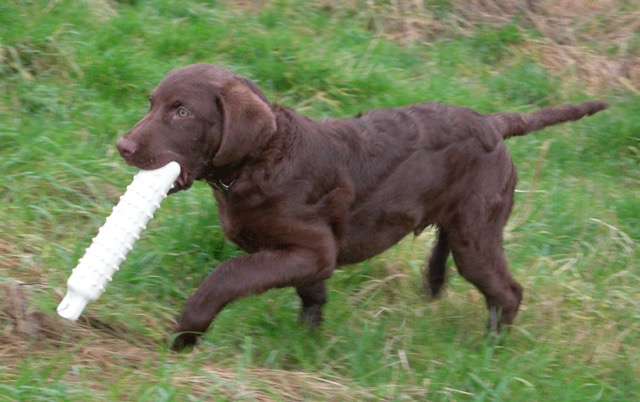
515 124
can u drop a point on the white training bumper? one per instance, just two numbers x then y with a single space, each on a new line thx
116 237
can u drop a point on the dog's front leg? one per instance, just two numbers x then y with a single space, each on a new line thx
245 276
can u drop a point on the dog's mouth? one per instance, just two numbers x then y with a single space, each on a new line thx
185 179
183 182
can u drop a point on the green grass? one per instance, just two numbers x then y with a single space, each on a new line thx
74 76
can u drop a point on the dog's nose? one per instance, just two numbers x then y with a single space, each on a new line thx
126 148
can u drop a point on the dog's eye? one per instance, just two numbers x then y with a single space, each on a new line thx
182 112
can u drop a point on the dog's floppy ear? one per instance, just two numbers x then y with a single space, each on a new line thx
247 124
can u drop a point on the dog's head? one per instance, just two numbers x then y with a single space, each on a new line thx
203 117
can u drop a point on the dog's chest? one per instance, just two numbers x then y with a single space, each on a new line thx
250 225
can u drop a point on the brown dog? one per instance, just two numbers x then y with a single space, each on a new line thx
304 196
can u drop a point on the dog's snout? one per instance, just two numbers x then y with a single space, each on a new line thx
126 148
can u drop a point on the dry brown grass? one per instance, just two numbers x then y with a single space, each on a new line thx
592 43
112 351
596 41
9 258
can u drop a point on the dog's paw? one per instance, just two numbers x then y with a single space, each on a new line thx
183 341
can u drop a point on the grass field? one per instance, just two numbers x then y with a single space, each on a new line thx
75 76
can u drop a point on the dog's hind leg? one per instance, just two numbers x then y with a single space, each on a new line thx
475 235
435 274
480 260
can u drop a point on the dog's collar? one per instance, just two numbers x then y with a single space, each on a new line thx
223 177
220 184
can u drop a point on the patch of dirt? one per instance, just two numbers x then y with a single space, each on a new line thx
19 322
22 326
